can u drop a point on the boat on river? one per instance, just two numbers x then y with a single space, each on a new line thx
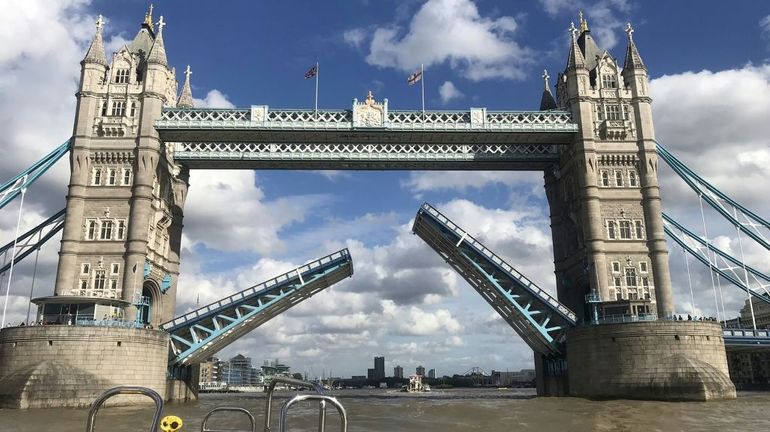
415 385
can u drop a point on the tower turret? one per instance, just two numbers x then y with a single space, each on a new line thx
547 101
185 97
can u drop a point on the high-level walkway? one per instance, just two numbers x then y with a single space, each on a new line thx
368 136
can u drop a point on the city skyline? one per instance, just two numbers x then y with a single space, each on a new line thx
403 302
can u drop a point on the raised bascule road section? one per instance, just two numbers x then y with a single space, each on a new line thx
608 332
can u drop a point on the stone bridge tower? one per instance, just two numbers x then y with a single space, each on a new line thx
604 197
123 225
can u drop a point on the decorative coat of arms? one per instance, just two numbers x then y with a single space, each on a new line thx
369 113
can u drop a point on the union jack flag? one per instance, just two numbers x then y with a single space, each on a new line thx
313 71
414 78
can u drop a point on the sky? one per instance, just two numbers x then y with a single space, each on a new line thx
709 70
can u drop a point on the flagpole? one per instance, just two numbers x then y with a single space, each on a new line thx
317 77
422 85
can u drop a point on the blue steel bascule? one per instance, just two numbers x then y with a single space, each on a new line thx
135 142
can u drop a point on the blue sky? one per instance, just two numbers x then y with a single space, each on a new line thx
708 66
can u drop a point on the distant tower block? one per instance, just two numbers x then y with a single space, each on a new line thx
604 197
122 232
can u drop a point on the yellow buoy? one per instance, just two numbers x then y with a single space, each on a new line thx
170 424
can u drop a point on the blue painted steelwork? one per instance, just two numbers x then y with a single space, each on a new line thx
697 247
165 283
540 319
739 216
13 187
34 238
147 269
202 332
736 339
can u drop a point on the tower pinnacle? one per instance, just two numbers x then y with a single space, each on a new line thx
185 98
95 53
633 60
576 58
583 22
148 19
158 51
547 102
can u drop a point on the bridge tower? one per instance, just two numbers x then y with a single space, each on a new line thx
122 231
604 197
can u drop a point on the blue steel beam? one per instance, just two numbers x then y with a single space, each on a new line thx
742 218
13 187
202 332
697 247
540 319
746 339
33 239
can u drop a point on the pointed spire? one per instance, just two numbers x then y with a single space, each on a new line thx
583 23
576 59
148 20
185 98
158 51
547 102
633 59
95 53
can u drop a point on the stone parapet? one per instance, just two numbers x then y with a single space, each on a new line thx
660 360
69 366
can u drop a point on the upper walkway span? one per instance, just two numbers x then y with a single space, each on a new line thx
369 136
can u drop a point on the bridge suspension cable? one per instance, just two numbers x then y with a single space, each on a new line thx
742 218
13 187
753 281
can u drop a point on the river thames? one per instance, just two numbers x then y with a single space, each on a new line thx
489 410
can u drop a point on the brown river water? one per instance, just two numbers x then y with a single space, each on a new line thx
490 410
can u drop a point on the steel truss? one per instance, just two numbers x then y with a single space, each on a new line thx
13 187
753 281
742 218
746 340
540 319
33 239
202 332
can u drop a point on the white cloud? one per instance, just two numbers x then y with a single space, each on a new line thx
448 92
214 99
605 17
421 181
354 37
452 31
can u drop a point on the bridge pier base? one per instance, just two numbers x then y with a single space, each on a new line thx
69 366
658 360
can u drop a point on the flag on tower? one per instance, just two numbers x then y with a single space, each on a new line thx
414 78
313 71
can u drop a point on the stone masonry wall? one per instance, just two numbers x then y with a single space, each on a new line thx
661 360
69 366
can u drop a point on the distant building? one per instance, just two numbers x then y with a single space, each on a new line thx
761 314
209 370
274 368
432 373
398 372
524 376
370 373
379 367
358 377
238 371
420 370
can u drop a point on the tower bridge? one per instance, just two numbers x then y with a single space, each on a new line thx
136 138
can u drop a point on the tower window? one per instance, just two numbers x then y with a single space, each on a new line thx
121 229
97 178
112 177
639 229
118 108
121 76
127 177
132 111
106 231
632 181
613 112
616 267
643 267
609 81
85 268
99 279
91 234
104 108
113 284
619 178
83 284
611 229
625 230
605 179
630 277
115 268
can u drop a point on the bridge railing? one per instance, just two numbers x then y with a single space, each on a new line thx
746 333
258 289
480 248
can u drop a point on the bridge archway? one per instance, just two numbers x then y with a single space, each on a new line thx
149 303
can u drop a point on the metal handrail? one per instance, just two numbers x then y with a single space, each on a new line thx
285 380
322 415
204 424
125 390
